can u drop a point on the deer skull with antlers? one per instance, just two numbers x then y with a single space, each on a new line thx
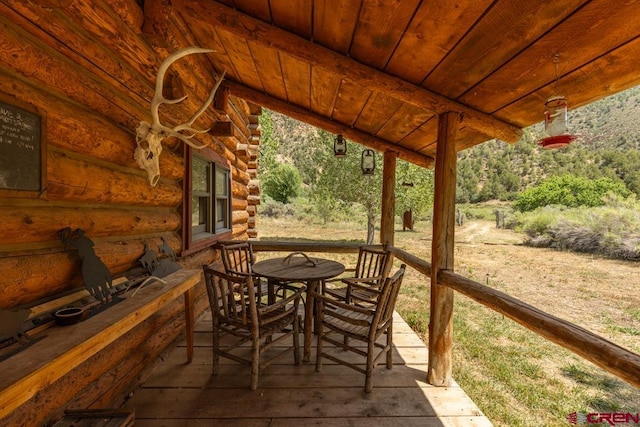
149 136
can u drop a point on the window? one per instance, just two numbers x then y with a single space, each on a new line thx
208 209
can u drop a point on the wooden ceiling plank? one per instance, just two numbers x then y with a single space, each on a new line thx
376 112
256 8
239 54
422 137
293 15
297 80
593 81
589 33
425 44
316 120
324 91
268 66
477 55
380 28
334 22
407 118
350 102
253 29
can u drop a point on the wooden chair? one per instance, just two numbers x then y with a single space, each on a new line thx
237 258
237 311
366 324
372 268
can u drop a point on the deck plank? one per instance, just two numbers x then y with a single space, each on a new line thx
187 394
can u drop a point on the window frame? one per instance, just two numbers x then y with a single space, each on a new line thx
212 158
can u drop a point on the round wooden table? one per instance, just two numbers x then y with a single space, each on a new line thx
300 268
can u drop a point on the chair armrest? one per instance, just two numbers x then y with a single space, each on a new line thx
372 281
369 288
282 303
337 303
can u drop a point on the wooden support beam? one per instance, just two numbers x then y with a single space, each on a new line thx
444 205
235 22
221 128
316 120
388 213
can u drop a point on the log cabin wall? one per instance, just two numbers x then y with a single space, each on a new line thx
88 68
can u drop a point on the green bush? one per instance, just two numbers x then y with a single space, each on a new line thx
570 191
282 183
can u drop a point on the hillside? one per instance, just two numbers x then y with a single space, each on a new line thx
608 140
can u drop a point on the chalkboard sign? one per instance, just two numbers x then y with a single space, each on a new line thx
20 149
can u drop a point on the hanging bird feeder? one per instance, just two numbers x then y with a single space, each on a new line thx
555 124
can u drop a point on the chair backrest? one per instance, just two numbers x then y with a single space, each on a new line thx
232 298
237 257
373 261
386 301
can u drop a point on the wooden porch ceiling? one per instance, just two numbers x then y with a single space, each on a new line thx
380 71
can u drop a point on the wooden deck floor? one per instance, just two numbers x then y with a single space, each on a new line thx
179 394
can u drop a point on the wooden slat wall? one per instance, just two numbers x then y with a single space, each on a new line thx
89 69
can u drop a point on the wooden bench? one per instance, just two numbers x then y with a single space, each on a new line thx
66 347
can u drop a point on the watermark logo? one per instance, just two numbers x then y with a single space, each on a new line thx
607 418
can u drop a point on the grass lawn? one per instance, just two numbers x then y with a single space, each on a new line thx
516 377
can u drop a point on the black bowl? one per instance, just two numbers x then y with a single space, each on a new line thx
69 316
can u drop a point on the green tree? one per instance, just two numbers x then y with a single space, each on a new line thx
282 182
340 181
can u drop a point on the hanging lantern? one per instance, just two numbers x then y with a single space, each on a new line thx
339 146
368 162
555 124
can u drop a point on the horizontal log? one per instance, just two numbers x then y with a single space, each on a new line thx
129 12
89 84
281 246
239 191
239 231
239 217
239 175
75 180
253 200
30 277
605 354
80 130
254 187
413 261
28 224
239 204
41 63
252 210
252 233
251 221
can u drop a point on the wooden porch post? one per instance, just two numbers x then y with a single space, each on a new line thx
441 316
388 198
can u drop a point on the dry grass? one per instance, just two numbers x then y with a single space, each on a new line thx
516 377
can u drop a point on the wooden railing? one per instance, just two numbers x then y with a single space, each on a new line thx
617 360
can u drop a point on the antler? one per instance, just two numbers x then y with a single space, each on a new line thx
149 136
159 99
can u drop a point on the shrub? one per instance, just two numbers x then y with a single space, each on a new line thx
570 191
282 183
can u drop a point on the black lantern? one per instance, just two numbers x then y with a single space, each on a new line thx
368 162
340 146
